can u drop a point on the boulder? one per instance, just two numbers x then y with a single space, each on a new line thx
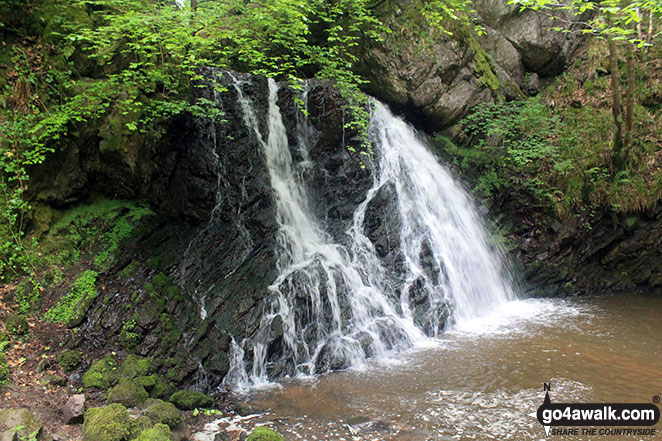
102 374
69 359
190 399
160 432
264 434
110 423
161 412
127 392
74 409
20 424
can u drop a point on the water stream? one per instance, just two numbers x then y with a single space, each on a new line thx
335 303
435 346
482 379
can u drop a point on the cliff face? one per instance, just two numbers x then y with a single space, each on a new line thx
197 273
436 78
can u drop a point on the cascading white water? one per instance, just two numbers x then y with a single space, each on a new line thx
334 302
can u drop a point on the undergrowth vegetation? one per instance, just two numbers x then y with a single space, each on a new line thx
557 146
69 63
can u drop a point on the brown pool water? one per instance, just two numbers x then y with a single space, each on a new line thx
482 378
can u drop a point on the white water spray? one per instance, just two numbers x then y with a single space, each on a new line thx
333 305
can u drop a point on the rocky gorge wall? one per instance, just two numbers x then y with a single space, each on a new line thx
196 273
436 78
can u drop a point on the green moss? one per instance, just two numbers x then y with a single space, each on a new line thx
140 423
128 338
162 412
135 366
264 434
96 231
160 432
190 399
110 423
130 270
154 385
127 392
27 296
16 325
482 65
160 280
72 307
161 390
147 381
102 374
69 359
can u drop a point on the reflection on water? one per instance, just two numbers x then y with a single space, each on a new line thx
484 376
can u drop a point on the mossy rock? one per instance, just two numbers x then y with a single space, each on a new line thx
110 423
160 432
69 359
56 380
135 366
16 325
20 422
102 374
155 386
127 392
264 434
190 399
140 423
161 412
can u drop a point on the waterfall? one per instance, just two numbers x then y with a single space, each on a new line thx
334 305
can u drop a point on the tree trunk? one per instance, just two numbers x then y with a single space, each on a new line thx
629 99
194 5
618 156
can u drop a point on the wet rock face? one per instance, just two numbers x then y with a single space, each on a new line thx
437 79
608 252
215 239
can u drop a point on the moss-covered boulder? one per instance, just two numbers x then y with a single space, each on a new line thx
127 392
162 412
135 366
190 399
16 325
264 434
69 359
140 423
110 423
102 374
155 386
160 432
